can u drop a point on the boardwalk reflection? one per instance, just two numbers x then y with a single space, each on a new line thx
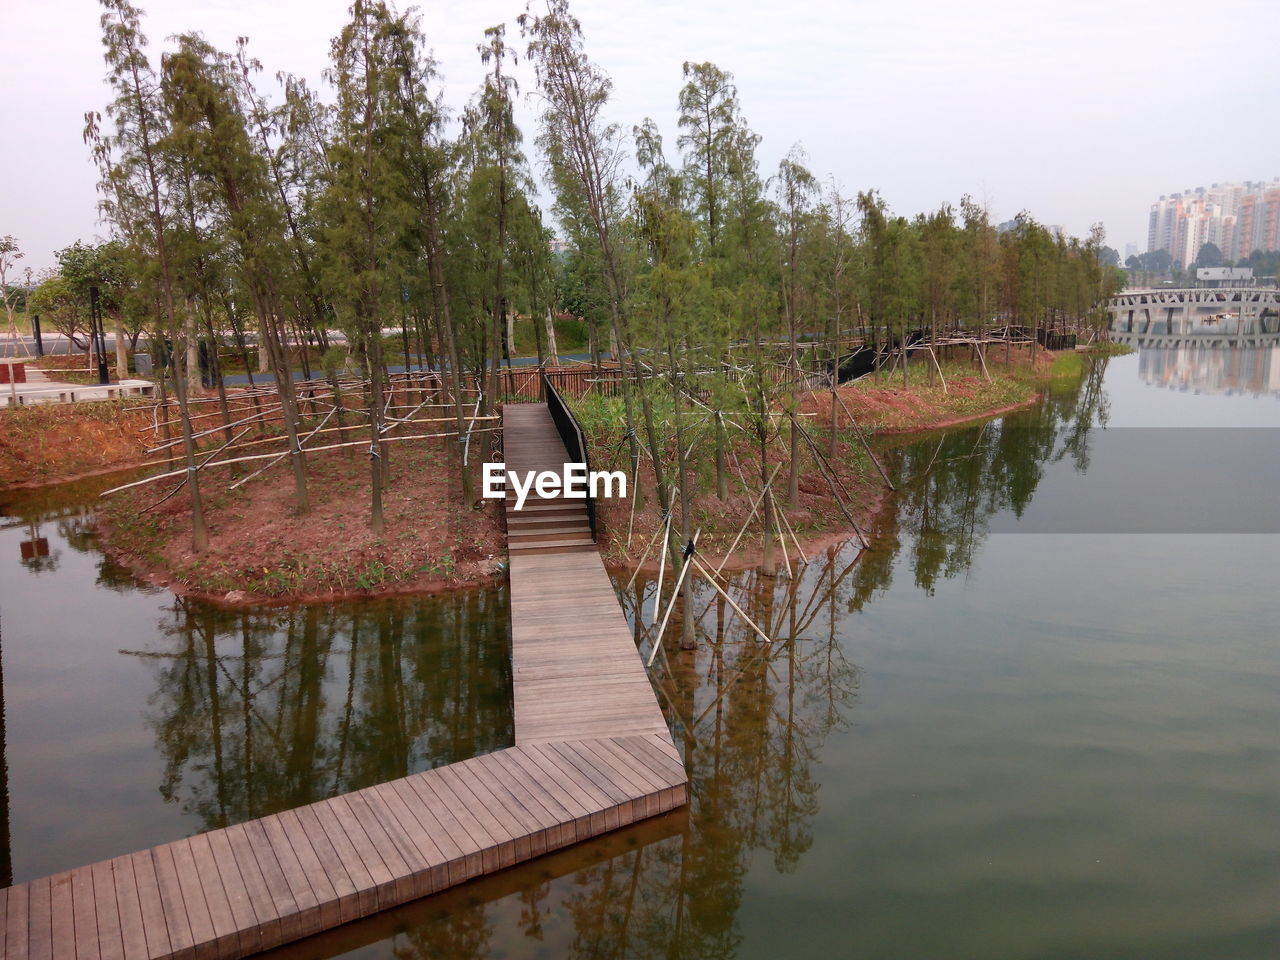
750 718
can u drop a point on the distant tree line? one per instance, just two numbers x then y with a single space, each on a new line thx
1155 265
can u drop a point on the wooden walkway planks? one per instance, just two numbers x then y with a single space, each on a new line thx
575 670
592 754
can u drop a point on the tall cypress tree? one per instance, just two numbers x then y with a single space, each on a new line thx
209 128
583 156
365 207
135 190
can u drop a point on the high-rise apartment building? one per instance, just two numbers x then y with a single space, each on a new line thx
1238 218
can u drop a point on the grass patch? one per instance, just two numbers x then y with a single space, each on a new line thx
571 336
1067 366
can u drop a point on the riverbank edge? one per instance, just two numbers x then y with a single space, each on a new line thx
243 599
26 486
469 574
868 516
744 559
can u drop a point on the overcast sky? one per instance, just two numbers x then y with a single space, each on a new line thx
1076 110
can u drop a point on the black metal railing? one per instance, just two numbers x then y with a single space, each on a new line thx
1056 341
574 442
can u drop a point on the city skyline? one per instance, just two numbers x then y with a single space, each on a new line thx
1237 218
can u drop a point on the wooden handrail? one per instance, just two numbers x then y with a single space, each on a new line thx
571 435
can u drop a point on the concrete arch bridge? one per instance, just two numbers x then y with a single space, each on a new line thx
1224 315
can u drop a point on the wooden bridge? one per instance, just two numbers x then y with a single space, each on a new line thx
592 754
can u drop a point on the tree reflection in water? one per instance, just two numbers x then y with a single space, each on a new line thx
951 483
262 710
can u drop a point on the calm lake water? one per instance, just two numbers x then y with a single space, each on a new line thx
1040 719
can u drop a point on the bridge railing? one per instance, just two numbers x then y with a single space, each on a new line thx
574 441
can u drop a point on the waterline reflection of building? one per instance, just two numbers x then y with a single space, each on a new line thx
1202 368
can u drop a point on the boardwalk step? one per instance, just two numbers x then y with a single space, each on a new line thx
519 524
535 506
582 544
539 505
551 534
543 519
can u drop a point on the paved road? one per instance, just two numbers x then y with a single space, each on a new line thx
56 343
53 343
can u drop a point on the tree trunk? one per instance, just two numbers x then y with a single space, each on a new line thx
374 358
722 475
288 399
688 635
199 531
162 364
193 347
122 351
553 356
215 368
835 375
768 562
440 295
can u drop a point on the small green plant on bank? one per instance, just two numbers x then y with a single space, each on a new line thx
1108 348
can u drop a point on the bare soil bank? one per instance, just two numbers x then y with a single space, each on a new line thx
260 550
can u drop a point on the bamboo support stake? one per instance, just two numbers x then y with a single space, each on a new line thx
983 360
351 428
218 429
631 517
782 536
865 443
750 516
268 456
466 444
662 561
799 552
829 476
183 482
934 357
684 572
243 480
635 573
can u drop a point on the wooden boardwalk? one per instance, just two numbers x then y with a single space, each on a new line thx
575 670
592 754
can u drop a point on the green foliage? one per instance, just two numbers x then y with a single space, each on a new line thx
315 209
1209 255
1067 366
1265 263
60 304
1147 266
